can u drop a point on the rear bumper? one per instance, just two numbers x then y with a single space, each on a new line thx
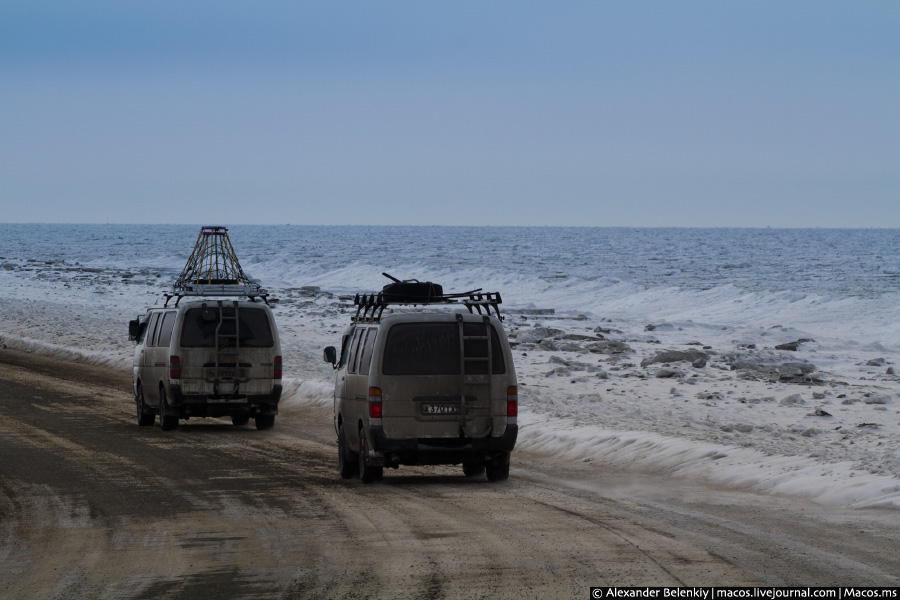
218 406
442 451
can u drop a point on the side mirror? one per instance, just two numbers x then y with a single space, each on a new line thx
134 329
331 356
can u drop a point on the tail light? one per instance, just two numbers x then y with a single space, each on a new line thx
374 403
512 401
277 373
174 367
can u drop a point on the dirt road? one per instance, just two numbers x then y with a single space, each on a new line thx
93 506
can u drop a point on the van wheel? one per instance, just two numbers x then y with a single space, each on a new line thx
144 417
498 470
367 474
346 465
167 422
240 420
473 469
265 422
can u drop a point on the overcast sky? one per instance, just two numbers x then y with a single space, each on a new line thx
607 113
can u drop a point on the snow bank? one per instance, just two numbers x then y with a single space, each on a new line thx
728 466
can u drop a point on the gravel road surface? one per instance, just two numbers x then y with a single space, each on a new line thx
93 506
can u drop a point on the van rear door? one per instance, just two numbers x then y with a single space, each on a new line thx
438 378
228 348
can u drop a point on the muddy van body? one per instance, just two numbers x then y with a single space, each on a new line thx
207 358
428 387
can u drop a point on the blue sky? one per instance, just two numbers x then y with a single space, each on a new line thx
607 113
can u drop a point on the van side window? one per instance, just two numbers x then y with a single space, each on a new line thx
143 332
422 349
358 367
366 358
345 350
151 329
354 348
165 332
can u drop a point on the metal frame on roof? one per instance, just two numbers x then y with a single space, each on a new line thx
213 269
369 307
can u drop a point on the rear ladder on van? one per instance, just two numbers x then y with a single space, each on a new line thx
477 367
228 345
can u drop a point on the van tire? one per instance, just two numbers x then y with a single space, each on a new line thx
471 469
264 422
346 465
498 470
367 473
167 422
145 418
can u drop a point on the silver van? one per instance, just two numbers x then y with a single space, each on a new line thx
207 358
427 386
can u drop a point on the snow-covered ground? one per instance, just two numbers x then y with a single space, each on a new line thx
709 401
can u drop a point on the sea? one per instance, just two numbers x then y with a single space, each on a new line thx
836 283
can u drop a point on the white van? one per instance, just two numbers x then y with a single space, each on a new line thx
207 358
429 386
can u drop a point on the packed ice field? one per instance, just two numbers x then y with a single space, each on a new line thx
704 401
760 360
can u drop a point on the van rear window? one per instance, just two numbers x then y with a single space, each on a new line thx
200 324
478 349
422 349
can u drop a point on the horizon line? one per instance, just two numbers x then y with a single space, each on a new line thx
501 226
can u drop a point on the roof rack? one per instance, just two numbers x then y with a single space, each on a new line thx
213 270
411 292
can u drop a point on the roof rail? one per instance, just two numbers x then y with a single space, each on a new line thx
213 270
369 307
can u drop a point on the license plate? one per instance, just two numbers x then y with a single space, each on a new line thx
227 401
226 373
440 409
